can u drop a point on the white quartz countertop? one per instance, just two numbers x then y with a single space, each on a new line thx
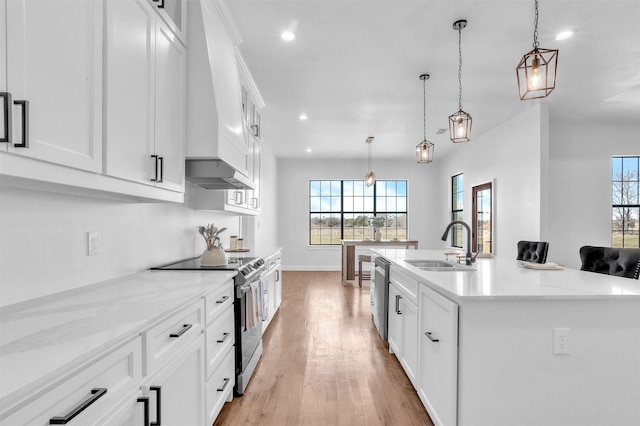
42 338
497 277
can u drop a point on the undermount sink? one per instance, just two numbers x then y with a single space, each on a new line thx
437 265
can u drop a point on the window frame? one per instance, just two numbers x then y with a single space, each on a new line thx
341 213
457 213
629 200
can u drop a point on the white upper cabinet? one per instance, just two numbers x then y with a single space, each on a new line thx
174 14
53 73
145 97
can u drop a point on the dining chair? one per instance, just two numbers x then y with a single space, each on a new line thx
621 262
533 251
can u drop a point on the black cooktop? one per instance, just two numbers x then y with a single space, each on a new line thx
193 264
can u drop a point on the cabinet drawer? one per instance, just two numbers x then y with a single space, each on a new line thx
172 335
220 386
220 336
407 284
118 372
217 301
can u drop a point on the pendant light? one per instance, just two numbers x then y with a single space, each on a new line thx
370 178
536 71
424 150
460 122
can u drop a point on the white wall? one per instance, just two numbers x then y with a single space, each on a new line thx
580 194
293 204
512 155
43 244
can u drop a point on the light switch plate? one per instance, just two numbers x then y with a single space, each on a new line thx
93 243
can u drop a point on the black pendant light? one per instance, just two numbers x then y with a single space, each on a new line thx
460 122
424 150
370 178
536 71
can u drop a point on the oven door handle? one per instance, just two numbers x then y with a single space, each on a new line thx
244 289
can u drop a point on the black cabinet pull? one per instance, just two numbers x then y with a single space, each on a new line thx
224 299
7 105
157 390
224 337
161 169
226 382
180 332
398 297
161 5
25 124
145 402
433 339
155 179
96 393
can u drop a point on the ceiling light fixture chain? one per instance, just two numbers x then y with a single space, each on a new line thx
424 78
535 27
460 66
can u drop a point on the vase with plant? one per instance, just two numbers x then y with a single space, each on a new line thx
214 254
377 223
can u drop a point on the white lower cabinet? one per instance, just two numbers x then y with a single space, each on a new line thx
84 395
438 356
176 390
272 284
403 322
220 386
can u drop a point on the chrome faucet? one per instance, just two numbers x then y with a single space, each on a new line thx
468 259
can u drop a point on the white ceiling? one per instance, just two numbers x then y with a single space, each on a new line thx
354 68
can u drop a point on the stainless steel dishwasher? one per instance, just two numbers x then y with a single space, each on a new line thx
381 296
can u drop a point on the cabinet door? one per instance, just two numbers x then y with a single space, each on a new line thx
54 61
130 46
174 14
394 333
253 196
409 339
439 356
170 107
278 301
130 413
179 386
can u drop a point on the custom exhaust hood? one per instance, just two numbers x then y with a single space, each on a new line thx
215 174
217 156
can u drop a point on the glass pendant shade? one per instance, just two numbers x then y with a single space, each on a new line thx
460 121
424 152
370 179
536 73
460 127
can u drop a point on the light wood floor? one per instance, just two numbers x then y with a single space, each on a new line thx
325 364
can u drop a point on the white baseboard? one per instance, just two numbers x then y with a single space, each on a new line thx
311 268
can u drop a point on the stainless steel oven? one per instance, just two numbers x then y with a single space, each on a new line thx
249 309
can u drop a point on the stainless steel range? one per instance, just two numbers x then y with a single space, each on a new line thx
248 307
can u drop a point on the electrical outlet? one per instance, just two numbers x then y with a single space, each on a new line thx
561 341
93 243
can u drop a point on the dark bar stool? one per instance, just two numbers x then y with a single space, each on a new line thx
363 274
622 262
533 251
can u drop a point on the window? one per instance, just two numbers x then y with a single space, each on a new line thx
625 203
342 209
482 220
457 189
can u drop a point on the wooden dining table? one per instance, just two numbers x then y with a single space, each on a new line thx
349 253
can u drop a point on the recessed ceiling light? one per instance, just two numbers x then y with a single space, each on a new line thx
303 117
308 149
564 35
288 36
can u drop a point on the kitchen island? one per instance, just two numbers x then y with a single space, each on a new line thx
505 345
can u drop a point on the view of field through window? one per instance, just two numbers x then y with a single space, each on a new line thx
625 203
343 209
